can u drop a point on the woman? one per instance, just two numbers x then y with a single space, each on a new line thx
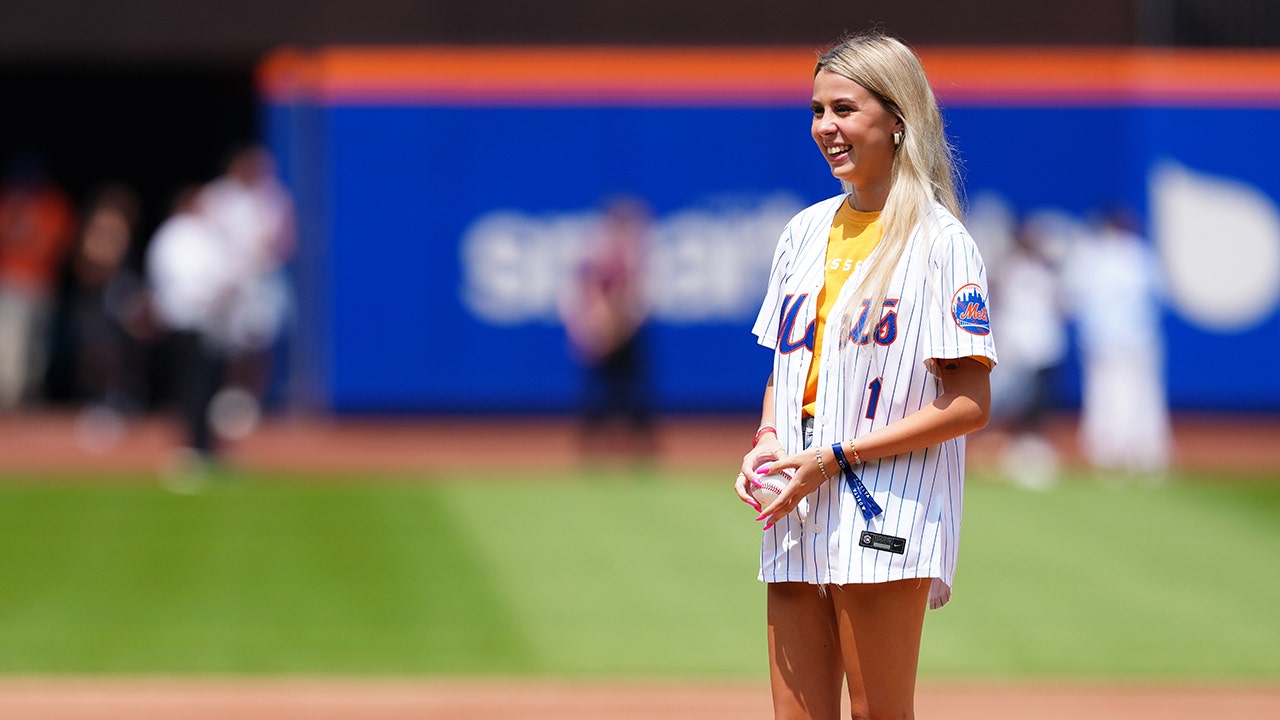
876 309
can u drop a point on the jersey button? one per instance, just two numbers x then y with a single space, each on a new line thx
817 529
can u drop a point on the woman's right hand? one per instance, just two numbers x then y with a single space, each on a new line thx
767 450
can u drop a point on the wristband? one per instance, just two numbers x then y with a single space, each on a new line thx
866 503
838 450
764 430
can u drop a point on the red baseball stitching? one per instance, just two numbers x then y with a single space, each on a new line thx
771 484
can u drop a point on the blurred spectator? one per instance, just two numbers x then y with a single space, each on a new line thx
108 317
254 214
192 285
604 312
37 225
1030 320
1114 282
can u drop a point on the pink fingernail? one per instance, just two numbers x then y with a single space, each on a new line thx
762 516
766 527
762 470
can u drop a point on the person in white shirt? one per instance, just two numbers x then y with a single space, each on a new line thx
192 283
1114 284
254 214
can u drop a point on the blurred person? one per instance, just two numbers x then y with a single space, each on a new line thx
37 228
604 313
1029 316
876 312
192 284
253 212
1115 286
109 316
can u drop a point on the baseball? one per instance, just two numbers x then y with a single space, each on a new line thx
766 489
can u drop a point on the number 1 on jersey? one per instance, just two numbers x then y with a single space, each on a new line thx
873 399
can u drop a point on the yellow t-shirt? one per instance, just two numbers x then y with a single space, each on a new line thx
854 235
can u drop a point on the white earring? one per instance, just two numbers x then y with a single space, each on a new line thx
897 139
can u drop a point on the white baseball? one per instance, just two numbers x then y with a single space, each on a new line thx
767 488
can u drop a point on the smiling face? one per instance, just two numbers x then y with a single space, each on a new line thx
854 131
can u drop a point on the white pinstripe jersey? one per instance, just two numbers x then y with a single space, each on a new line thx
875 369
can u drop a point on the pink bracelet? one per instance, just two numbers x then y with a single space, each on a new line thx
764 429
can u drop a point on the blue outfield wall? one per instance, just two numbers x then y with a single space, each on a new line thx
438 232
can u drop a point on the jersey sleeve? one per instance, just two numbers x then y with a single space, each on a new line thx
959 311
767 322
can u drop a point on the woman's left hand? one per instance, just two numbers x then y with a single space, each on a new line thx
808 477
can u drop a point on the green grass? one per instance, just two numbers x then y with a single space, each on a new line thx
1101 581
602 576
480 575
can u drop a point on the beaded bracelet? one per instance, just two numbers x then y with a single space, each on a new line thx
853 450
764 430
822 468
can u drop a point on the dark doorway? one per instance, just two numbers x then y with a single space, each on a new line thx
154 127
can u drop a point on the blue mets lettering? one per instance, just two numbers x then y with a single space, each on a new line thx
791 305
857 335
886 330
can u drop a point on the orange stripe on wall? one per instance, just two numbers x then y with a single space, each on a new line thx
1117 74
550 75
753 76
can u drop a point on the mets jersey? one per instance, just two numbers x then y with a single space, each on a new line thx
876 368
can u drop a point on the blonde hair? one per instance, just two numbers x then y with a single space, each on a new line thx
924 168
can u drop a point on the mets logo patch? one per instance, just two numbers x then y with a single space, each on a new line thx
969 309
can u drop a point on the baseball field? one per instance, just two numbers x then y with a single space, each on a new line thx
400 570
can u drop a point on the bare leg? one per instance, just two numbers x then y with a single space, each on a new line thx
805 669
879 627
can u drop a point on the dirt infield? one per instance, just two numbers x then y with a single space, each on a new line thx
160 699
56 442
51 442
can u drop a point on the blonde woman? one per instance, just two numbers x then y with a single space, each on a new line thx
876 310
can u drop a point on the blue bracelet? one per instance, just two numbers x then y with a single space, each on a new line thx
838 450
866 503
